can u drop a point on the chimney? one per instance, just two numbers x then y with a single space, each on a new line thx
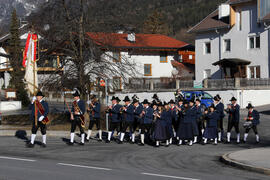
131 37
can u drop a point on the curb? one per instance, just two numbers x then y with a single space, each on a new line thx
225 159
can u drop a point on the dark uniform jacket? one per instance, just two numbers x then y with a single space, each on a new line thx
199 112
96 110
256 117
45 107
212 119
189 115
220 110
81 105
234 113
168 116
148 116
128 115
115 113
174 113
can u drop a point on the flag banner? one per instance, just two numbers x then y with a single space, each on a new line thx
29 62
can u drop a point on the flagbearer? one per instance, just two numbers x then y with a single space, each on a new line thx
77 118
40 110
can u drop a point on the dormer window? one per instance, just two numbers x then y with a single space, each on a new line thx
163 57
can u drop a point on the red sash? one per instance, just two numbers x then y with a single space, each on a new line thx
41 110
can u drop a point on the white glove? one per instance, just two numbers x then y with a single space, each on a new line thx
41 118
33 99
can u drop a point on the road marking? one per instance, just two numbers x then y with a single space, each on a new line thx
173 177
81 166
17 159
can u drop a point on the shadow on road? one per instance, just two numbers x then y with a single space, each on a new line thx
267 112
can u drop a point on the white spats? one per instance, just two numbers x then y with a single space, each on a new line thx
228 137
180 142
245 136
109 135
142 138
157 143
195 139
82 138
219 136
44 139
257 138
89 134
72 137
170 141
122 136
33 136
215 141
205 140
238 138
133 137
100 134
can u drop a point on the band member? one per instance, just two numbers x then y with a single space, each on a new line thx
77 118
174 117
185 130
193 117
200 117
178 96
146 120
137 112
94 116
212 118
128 120
220 109
114 117
161 131
39 113
168 118
233 110
252 120
156 98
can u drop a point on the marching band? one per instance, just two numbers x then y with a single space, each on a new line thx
179 122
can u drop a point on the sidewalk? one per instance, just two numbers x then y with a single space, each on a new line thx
257 160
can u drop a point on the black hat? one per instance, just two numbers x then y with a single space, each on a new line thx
155 96
171 101
145 101
198 100
113 98
117 99
233 99
165 103
154 102
192 100
135 101
216 98
76 94
160 103
249 106
39 93
126 99
135 97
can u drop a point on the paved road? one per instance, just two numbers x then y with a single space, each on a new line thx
112 161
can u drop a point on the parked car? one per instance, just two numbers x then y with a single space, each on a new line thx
206 98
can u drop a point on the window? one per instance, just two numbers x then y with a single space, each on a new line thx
239 20
206 96
116 57
181 58
254 42
163 57
254 72
227 45
117 83
207 73
148 70
190 57
207 48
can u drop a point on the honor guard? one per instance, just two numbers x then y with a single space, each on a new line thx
212 117
252 120
77 117
220 109
114 117
146 120
233 110
128 119
94 116
39 113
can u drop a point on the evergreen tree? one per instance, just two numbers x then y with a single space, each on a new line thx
15 61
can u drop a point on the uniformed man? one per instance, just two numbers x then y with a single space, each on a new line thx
233 110
77 117
146 120
193 117
114 117
128 119
252 119
39 113
175 121
220 109
137 112
94 116
200 118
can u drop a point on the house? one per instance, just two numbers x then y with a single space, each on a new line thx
45 66
151 53
234 41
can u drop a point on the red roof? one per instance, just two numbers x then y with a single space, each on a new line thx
147 41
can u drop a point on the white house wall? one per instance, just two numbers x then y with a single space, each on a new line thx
239 46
